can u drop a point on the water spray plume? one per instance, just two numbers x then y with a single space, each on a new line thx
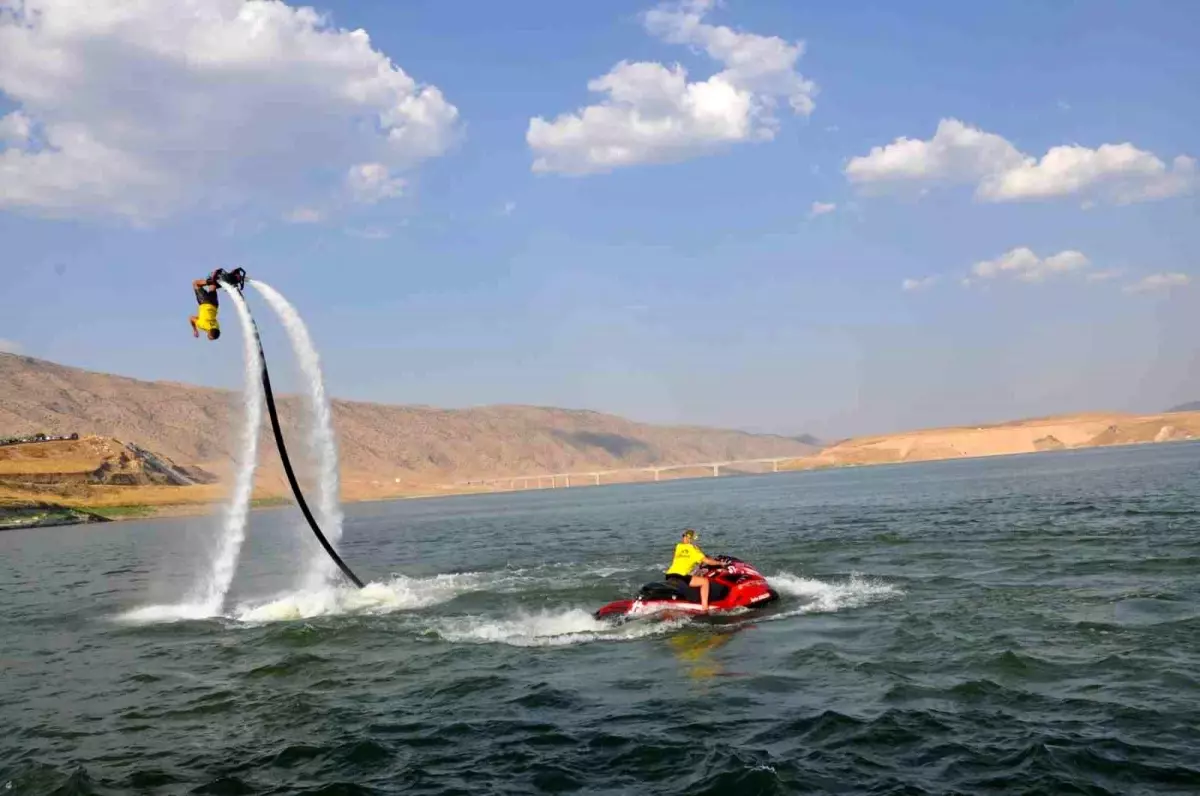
319 569
233 531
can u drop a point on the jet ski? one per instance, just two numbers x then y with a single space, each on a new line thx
732 584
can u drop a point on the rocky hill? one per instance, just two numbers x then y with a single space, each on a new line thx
99 461
378 444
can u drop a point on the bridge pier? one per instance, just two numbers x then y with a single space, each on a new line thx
656 472
597 477
716 470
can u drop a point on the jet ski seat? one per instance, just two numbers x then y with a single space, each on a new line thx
666 590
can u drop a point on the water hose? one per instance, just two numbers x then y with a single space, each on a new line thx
287 466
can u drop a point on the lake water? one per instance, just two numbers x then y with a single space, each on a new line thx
1019 625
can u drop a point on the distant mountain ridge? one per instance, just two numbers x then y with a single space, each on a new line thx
377 443
1190 406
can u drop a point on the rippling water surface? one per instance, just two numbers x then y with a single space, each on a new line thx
1020 625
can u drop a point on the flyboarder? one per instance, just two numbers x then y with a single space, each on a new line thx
205 319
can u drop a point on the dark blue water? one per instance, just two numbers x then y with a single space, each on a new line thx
1017 625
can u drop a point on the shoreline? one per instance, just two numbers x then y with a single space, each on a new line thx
42 513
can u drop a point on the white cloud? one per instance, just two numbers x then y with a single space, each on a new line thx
1156 282
145 109
9 346
1026 266
955 153
1119 173
959 154
15 128
912 285
303 215
821 208
653 114
1103 276
368 183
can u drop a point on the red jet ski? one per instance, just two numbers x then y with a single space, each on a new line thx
732 584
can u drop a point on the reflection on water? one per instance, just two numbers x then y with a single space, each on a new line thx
694 647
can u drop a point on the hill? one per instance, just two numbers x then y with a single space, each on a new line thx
1020 436
384 449
1190 406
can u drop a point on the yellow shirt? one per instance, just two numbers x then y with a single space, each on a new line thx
687 556
206 318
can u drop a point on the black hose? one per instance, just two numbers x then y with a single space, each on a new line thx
287 465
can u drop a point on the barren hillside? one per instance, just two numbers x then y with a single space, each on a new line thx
377 443
1020 436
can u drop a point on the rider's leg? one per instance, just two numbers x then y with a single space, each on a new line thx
702 583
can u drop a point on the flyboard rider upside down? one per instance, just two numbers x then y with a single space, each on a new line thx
205 319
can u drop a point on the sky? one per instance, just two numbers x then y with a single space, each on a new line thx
835 218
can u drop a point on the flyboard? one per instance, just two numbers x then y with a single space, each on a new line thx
236 280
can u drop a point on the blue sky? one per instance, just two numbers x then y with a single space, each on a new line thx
671 262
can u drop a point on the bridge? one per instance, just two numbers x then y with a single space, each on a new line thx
594 477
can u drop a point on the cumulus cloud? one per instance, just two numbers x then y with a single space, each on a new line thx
1159 282
15 128
1022 264
370 182
912 285
960 154
652 113
1103 276
144 109
821 208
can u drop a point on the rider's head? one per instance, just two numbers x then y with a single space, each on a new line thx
213 334
689 535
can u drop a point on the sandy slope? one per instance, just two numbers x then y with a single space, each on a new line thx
394 451
1022 436
385 451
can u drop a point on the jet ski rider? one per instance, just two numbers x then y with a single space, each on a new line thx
687 557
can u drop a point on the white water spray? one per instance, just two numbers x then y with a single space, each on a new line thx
211 595
319 569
